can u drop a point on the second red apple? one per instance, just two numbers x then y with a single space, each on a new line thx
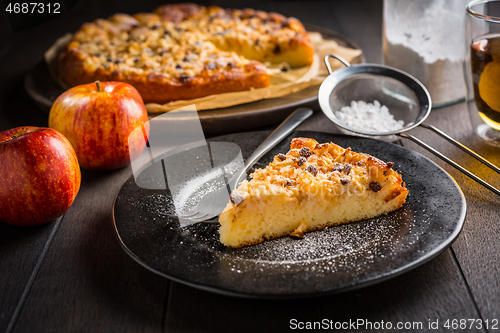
98 119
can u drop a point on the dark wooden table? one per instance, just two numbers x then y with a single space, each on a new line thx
71 275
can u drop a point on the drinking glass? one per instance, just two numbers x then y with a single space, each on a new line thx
482 68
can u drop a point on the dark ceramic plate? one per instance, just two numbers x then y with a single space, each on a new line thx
44 91
333 260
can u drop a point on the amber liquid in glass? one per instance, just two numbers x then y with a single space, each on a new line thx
485 66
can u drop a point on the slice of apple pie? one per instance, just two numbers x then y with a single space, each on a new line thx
312 187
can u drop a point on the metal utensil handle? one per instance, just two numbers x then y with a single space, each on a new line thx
283 130
451 162
327 63
461 146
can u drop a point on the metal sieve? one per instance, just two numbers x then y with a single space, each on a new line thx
406 98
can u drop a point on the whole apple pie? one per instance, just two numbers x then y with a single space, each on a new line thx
185 51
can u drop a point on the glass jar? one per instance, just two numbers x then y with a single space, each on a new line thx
424 38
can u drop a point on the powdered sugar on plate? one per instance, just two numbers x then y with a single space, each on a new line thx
369 117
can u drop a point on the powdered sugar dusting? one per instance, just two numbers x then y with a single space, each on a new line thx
368 238
369 117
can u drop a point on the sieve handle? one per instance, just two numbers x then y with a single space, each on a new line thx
461 146
451 162
327 63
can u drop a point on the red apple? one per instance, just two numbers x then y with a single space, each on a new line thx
98 118
39 175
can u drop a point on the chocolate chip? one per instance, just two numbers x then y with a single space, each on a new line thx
186 59
305 151
155 26
178 29
347 168
284 24
109 59
184 78
230 64
390 165
360 163
277 49
301 161
282 156
312 169
167 33
284 69
236 197
375 187
118 60
338 167
136 59
97 55
288 182
178 66
345 180
257 41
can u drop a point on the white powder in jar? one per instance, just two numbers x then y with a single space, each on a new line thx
369 117
425 38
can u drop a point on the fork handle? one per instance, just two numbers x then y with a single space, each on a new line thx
281 132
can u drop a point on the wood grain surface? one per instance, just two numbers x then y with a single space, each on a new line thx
76 278
477 248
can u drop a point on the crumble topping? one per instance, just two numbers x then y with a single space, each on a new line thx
327 167
180 41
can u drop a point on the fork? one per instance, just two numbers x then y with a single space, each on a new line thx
213 203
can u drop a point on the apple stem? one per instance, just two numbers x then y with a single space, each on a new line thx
98 84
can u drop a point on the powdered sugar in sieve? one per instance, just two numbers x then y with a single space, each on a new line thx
370 117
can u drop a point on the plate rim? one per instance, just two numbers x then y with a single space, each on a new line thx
385 277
